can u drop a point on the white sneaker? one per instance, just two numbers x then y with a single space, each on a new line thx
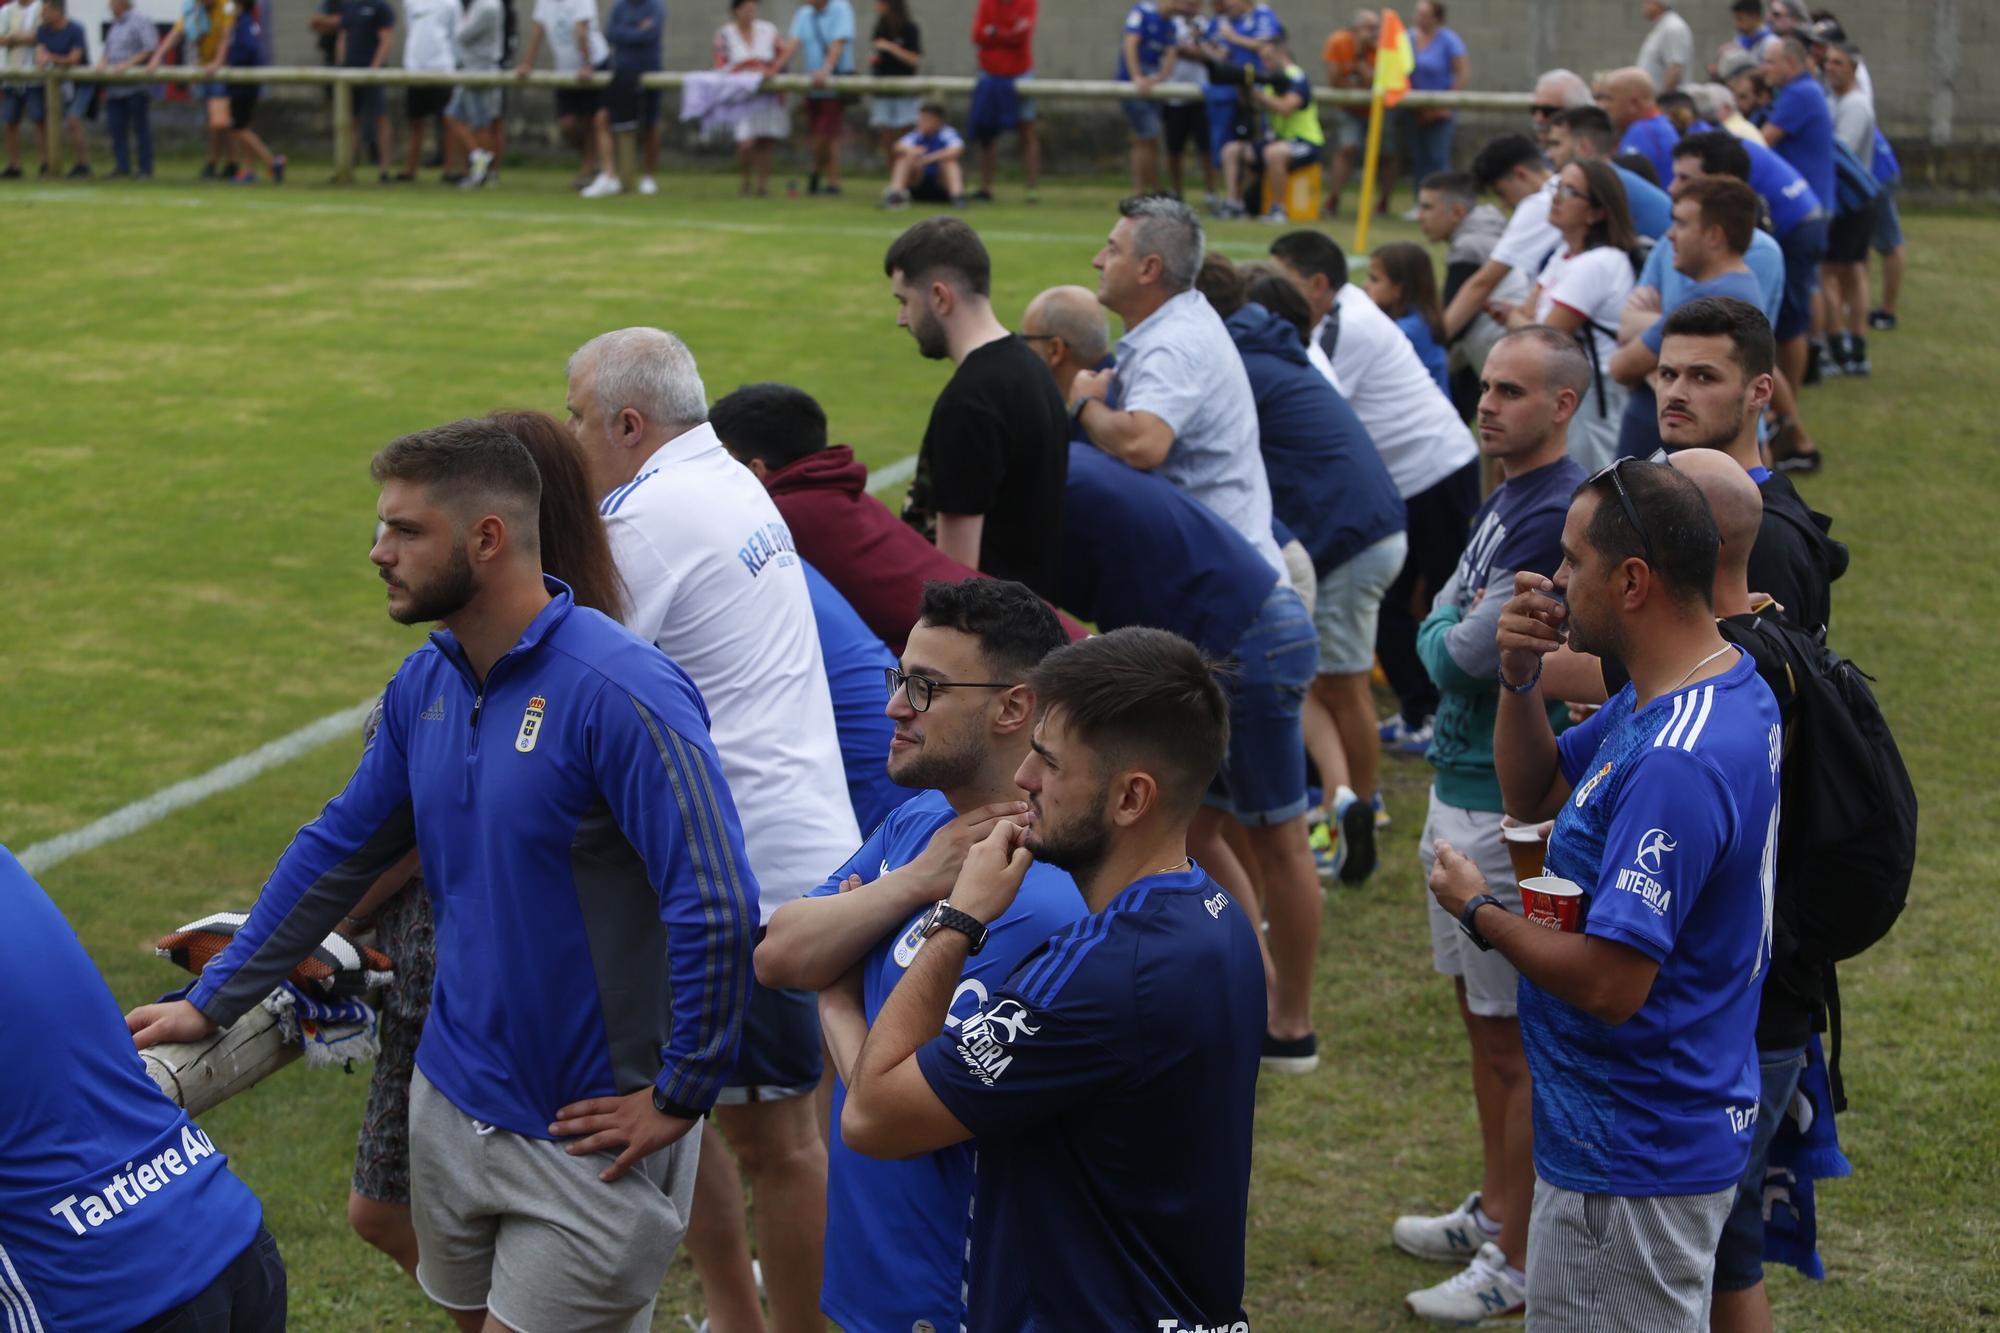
648 186
603 187
1483 1291
1452 1237
478 164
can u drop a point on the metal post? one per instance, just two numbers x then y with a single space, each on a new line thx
343 133
52 116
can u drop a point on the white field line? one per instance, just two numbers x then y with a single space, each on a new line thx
121 823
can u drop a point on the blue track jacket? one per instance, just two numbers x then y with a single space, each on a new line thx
595 910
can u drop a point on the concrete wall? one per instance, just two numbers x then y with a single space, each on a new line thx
1933 61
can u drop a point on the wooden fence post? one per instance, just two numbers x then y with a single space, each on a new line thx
343 133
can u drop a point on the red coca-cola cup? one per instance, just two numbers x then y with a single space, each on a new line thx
1553 902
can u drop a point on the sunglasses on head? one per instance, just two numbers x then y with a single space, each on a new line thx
1625 502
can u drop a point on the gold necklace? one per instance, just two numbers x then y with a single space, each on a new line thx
1185 863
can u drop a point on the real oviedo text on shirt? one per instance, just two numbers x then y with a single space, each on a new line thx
770 544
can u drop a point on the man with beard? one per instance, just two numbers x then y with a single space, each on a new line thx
989 482
896 1231
1639 1011
588 837
1714 379
1111 1080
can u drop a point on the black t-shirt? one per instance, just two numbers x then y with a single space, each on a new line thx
363 22
886 66
998 445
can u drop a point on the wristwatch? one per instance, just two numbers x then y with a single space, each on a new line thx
672 1108
946 917
1471 909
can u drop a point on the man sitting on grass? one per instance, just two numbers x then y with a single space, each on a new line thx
927 166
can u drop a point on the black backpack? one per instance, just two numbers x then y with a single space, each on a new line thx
1847 840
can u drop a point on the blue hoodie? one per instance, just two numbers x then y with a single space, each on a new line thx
635 29
1328 483
584 862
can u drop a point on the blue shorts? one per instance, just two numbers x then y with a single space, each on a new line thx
780 1058
893 113
997 106
370 105
1225 119
222 89
1143 116
13 105
1888 223
1804 246
1739 1256
1263 777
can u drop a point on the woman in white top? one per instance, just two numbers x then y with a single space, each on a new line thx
748 44
1581 291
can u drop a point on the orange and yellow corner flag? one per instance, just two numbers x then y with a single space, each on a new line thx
1394 59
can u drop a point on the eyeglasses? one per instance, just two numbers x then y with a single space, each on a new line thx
920 689
1544 111
1568 191
1625 503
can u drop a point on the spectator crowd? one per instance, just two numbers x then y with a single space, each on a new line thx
861 860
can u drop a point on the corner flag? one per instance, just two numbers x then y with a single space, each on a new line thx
1394 59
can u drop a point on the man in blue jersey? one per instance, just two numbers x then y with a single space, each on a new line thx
962 711
1147 53
1627 97
1233 41
1129 1042
556 773
1639 1019
115 1209
1533 381
1714 219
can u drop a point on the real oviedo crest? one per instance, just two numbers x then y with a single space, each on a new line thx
531 724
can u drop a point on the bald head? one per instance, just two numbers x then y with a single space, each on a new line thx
1739 512
1626 95
1073 315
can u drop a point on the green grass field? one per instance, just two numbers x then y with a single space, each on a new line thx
196 378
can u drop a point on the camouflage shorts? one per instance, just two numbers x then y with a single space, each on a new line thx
382 1157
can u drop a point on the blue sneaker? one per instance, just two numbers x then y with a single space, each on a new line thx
1399 737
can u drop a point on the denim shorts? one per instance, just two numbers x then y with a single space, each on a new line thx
1804 246
475 108
1350 605
1263 777
1739 1256
1143 116
1888 223
893 113
13 105
780 1057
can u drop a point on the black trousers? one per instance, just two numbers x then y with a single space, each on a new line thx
1440 521
247 1297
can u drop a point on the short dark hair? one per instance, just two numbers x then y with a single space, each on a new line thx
1727 203
1015 628
773 423
1749 333
1719 152
1639 165
1310 253
1457 186
1747 7
472 462
941 244
1277 294
1588 122
1501 155
1221 284
574 545
1144 694
1680 527
932 109
1675 99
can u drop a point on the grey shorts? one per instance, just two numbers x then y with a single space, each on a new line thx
1350 603
1490 980
518 1227
475 108
1601 1261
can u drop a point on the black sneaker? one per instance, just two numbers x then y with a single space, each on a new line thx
207 171
1881 321
1300 1055
981 196
81 171
1357 831
1815 356
10 174
1856 361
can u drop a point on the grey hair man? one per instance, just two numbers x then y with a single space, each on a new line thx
1555 92
1184 406
715 581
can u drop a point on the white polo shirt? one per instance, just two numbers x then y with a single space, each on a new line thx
558 19
713 579
1413 424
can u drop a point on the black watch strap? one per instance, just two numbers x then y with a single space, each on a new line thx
1472 910
946 917
665 1106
